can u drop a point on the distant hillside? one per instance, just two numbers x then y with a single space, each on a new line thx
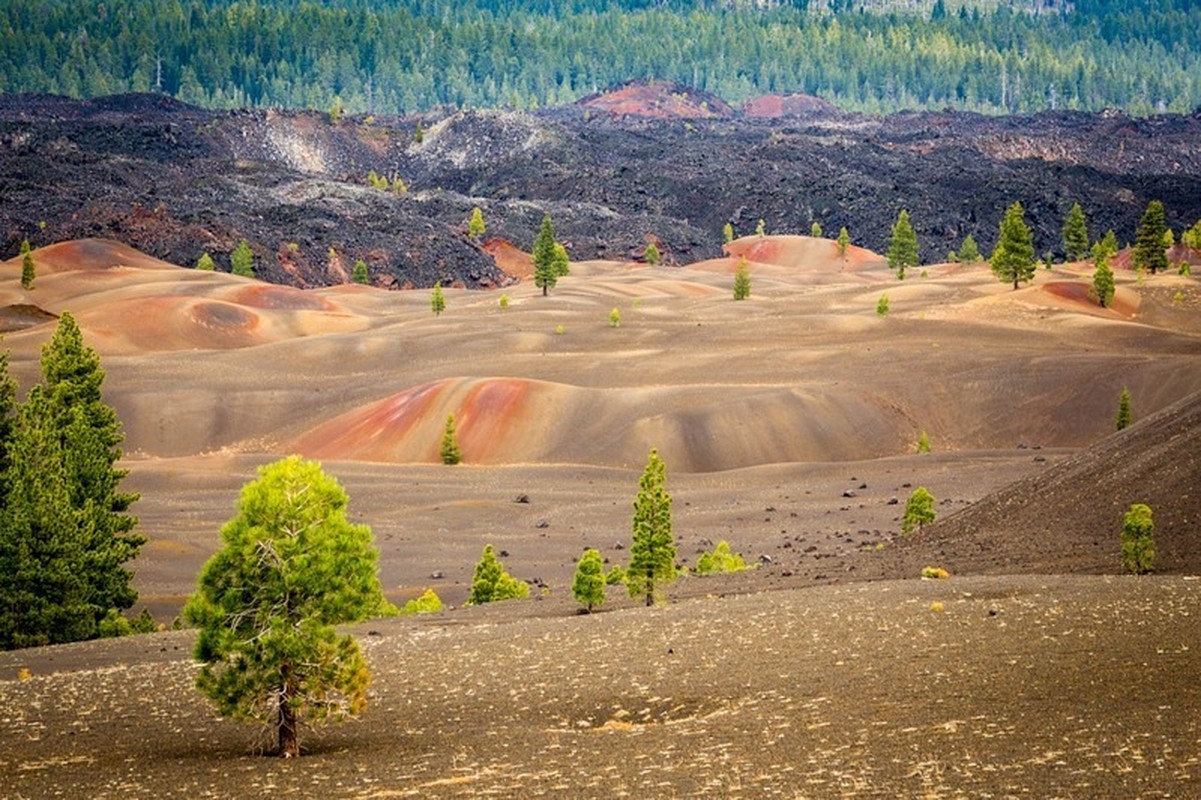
408 56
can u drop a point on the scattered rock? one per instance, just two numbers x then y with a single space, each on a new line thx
522 498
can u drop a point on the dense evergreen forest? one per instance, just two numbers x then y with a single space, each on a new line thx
403 56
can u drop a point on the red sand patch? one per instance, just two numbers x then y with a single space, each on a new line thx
488 416
510 259
659 100
374 433
283 298
1076 294
801 253
785 105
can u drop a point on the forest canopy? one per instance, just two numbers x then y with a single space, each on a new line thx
406 56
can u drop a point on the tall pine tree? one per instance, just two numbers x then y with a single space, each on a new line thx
89 435
1075 234
1149 252
546 273
902 246
1013 260
653 552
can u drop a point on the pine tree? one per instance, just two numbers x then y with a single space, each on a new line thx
359 273
89 435
490 583
742 280
969 252
902 246
241 260
545 273
615 318
1103 280
8 410
1110 242
882 306
290 568
923 443
1149 253
44 560
651 254
562 265
1124 416
588 586
919 510
815 230
437 300
450 445
844 241
653 552
1138 542
1075 234
475 226
205 263
761 228
727 232
28 270
1013 259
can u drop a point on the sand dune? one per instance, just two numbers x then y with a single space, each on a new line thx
128 303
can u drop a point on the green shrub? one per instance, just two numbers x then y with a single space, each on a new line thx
113 625
882 306
504 301
427 603
1138 543
615 575
935 573
720 560
615 318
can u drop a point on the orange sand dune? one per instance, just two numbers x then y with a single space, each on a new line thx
802 253
128 303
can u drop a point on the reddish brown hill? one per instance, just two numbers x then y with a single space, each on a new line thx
772 106
658 99
1068 518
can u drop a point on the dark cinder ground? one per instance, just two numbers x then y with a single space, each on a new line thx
1012 687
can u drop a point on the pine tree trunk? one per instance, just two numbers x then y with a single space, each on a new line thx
289 742
544 287
650 587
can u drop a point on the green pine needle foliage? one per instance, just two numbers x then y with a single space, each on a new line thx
1138 542
902 245
490 583
290 568
653 552
742 280
721 559
919 510
546 271
1124 415
427 603
1013 259
588 586
450 452
241 260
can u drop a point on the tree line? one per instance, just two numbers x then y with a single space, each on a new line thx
406 56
